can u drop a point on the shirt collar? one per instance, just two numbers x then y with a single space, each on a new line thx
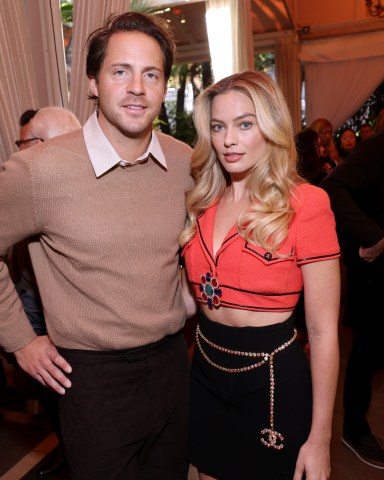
103 156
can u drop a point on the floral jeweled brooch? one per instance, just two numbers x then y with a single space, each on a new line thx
210 291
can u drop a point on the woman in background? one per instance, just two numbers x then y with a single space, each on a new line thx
250 245
329 153
310 163
346 142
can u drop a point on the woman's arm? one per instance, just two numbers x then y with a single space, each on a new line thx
322 305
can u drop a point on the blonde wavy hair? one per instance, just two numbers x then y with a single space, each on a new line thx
272 180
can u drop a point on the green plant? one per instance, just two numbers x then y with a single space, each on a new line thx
144 6
66 9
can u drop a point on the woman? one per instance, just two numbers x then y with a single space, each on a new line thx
346 142
255 235
310 165
328 149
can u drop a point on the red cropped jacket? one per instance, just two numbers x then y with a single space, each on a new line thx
246 276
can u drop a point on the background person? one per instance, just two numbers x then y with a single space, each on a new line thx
26 139
250 245
365 131
310 163
20 262
107 203
37 126
356 190
346 142
324 129
379 124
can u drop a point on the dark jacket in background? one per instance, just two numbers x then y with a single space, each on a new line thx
356 191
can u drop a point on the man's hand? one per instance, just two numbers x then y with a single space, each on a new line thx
370 254
42 361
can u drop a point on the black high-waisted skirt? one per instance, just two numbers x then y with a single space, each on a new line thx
229 410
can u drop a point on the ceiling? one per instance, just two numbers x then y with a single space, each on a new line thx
270 18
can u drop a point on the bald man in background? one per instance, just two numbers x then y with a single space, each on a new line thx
38 126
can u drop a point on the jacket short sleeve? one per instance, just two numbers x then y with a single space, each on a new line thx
316 236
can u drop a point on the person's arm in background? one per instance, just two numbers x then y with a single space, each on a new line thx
370 254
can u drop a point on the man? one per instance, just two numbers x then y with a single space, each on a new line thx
26 140
19 260
37 126
356 190
365 131
107 203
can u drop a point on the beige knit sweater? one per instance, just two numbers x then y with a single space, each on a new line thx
106 259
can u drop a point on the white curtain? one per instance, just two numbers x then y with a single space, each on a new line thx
32 61
48 24
87 16
334 87
337 100
244 55
220 37
229 31
288 75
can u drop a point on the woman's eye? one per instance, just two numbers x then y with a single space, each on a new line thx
216 127
246 125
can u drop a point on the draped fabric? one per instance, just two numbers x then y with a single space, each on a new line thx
336 90
335 87
229 30
220 37
32 61
288 75
243 37
88 15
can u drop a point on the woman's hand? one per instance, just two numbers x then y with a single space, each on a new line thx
314 461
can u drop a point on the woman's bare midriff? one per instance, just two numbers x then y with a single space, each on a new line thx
234 317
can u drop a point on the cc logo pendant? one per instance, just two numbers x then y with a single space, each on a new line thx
273 439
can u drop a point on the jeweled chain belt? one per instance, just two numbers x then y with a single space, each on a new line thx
274 438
